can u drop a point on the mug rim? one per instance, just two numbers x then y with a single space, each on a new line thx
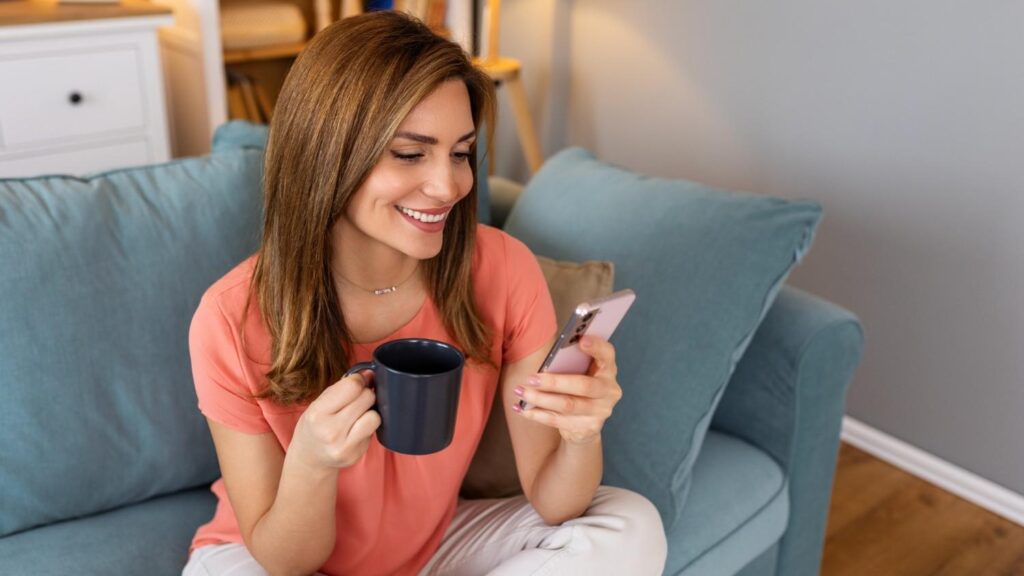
458 353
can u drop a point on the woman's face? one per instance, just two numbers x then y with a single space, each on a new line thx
425 170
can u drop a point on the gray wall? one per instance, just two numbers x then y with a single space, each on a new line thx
904 119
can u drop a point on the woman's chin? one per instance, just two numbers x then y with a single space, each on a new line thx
423 249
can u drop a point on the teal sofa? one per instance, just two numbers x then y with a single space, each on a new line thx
106 463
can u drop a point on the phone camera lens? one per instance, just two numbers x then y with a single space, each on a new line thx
575 339
588 316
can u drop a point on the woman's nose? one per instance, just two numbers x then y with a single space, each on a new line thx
443 184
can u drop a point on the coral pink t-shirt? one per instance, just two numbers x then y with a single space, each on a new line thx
392 509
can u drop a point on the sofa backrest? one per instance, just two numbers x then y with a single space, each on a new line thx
100 277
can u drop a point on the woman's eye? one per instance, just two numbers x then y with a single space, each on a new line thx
459 157
406 157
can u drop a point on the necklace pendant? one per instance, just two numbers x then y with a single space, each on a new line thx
383 291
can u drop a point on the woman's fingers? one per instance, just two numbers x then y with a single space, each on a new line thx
567 404
351 413
342 393
569 424
603 354
364 426
575 384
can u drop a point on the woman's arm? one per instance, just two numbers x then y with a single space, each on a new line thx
284 510
557 443
284 503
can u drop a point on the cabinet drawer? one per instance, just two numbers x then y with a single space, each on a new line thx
45 98
77 162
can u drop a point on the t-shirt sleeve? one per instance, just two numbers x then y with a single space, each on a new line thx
217 371
530 317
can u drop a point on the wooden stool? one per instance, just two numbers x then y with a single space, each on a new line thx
507 71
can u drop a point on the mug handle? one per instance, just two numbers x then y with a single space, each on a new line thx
359 368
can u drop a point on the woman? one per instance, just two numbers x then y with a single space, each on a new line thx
370 235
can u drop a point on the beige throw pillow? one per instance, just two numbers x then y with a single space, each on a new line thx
492 473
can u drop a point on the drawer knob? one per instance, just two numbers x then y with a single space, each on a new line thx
75 98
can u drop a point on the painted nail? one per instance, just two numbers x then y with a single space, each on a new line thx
534 381
516 407
518 390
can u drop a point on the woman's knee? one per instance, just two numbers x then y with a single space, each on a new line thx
642 534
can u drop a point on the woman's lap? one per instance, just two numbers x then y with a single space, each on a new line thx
620 533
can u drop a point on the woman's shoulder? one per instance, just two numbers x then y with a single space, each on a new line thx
502 265
495 247
230 292
225 312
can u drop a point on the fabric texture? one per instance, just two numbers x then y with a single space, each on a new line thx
738 508
100 277
763 565
149 538
620 533
492 473
572 283
705 265
787 398
392 509
231 559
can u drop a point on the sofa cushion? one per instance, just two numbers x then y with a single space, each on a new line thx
100 278
571 283
738 508
150 538
492 473
705 265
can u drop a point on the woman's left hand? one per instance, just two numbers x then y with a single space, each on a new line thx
577 405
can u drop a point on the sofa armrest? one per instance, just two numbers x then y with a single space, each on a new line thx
787 396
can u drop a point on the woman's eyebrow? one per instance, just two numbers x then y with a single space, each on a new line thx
423 139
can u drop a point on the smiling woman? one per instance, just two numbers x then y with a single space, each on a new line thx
398 214
352 100
370 235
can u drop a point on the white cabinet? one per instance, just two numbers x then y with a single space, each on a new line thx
82 96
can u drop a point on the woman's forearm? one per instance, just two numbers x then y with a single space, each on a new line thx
565 485
297 534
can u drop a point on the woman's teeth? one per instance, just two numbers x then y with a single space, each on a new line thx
428 218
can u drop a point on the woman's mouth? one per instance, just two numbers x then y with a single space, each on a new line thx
427 221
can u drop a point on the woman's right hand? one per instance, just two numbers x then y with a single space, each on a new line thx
335 430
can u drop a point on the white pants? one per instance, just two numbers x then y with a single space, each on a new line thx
620 533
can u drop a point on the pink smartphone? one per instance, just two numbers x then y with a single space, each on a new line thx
594 318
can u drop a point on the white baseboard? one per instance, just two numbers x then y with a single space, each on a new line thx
967 485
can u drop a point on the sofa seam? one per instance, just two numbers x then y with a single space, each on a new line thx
145 167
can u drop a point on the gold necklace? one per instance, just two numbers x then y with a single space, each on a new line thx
380 291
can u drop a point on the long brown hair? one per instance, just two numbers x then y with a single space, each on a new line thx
341 104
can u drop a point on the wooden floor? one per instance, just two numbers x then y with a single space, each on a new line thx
883 521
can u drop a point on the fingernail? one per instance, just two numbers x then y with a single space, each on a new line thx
533 381
518 390
516 407
585 342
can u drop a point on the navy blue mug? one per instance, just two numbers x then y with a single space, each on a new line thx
417 382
